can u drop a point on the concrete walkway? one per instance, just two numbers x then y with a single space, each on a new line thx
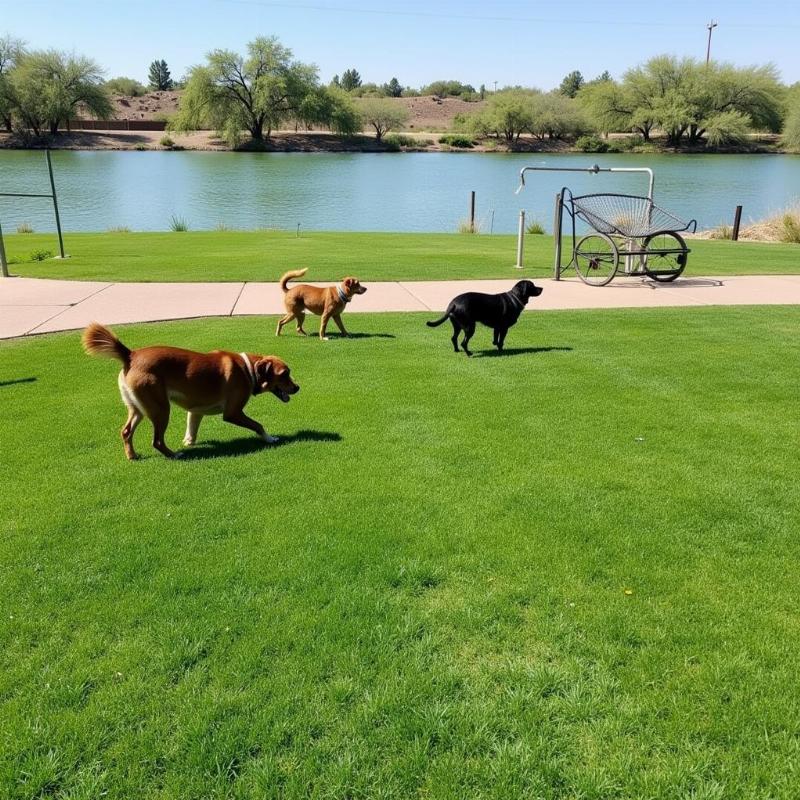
32 306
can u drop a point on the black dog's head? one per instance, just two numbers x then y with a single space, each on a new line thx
526 289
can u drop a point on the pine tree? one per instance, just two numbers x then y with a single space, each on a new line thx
159 77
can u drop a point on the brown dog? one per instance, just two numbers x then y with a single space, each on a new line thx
329 302
202 383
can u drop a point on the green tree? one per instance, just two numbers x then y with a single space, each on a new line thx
159 76
330 107
129 87
257 92
383 115
447 89
393 88
350 80
508 114
571 84
50 86
790 138
11 50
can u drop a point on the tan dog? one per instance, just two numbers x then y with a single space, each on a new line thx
202 383
329 302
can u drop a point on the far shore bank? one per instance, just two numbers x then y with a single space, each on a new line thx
322 142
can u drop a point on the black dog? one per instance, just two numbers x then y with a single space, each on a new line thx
497 311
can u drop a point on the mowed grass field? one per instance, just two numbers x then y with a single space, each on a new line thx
266 255
566 572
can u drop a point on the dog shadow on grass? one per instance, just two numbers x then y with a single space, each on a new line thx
252 444
16 381
519 351
368 336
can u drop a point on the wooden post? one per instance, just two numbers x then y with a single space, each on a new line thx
472 212
737 219
3 261
55 204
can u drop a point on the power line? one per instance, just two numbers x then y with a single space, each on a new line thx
615 22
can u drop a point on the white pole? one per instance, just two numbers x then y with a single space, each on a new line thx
520 240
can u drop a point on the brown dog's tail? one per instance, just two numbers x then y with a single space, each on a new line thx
289 276
100 341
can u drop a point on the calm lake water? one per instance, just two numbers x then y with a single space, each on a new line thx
426 192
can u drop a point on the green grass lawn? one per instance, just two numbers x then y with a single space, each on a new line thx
567 572
265 255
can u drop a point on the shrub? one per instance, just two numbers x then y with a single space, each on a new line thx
791 130
178 224
591 144
456 140
128 87
141 146
167 141
24 227
119 229
534 228
41 255
722 232
394 141
466 227
791 227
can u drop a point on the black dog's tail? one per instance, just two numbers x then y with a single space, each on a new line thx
437 322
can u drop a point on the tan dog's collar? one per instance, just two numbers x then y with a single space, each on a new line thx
342 296
250 371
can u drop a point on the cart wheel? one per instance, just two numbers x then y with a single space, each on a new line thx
596 259
665 257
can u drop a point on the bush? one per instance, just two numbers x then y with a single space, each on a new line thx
119 229
791 227
128 87
41 255
534 228
24 227
465 226
169 143
591 144
791 131
456 140
178 224
394 141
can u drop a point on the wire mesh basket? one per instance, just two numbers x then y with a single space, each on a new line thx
627 215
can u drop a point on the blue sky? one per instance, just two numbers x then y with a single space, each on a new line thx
528 43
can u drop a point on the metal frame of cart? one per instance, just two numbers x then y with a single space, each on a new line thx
624 229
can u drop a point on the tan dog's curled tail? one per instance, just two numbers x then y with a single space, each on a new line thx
100 341
290 276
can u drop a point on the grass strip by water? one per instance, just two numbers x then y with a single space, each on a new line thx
265 255
570 571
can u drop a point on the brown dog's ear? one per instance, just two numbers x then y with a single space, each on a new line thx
348 282
264 370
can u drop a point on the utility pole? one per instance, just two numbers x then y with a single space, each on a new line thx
495 87
711 25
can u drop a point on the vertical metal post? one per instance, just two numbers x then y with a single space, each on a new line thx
55 203
3 260
472 212
557 238
520 240
737 219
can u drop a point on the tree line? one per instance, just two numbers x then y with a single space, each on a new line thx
687 101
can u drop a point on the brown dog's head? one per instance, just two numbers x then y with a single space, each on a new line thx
353 286
272 375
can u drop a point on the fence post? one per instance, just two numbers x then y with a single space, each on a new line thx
472 212
557 238
737 219
3 261
55 203
520 240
